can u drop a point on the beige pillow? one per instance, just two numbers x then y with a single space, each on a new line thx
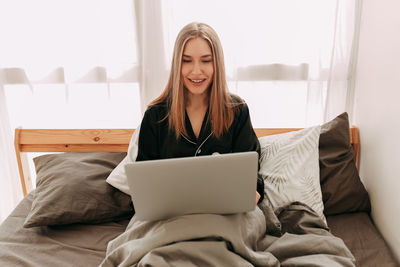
290 169
117 177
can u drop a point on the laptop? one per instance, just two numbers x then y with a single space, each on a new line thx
218 184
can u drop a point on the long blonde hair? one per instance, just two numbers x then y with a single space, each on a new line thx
221 103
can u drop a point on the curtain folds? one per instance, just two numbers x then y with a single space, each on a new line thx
340 90
153 72
10 185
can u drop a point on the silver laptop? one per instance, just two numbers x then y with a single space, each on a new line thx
221 184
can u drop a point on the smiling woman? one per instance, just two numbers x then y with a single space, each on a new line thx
196 115
197 56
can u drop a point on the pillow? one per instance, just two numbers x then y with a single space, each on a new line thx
342 189
72 188
290 169
117 177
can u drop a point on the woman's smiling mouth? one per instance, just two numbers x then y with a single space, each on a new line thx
197 82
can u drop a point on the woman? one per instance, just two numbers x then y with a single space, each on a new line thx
196 115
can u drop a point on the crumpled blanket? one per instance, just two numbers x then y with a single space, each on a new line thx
292 236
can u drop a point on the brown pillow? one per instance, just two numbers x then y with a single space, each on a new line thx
72 188
342 189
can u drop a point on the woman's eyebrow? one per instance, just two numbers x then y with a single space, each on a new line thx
201 56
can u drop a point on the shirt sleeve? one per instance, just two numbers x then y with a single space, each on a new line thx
245 139
148 147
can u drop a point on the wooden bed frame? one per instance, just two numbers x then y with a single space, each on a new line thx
98 140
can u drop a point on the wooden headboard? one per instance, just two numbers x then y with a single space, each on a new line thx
98 140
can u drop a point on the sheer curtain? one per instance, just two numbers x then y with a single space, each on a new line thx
340 93
10 187
75 58
151 50
64 64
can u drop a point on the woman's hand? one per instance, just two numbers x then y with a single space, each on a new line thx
257 197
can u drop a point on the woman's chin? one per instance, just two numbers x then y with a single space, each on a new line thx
196 90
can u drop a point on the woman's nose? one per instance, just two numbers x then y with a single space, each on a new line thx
196 68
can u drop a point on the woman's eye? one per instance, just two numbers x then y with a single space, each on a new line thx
186 60
206 61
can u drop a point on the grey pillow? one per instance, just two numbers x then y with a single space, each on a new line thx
72 188
342 189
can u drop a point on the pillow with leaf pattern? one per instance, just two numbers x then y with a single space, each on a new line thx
289 165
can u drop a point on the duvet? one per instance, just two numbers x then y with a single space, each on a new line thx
292 236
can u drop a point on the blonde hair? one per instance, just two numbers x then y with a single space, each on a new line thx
221 103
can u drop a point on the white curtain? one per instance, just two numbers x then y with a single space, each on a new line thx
153 71
340 93
10 185
64 64
69 41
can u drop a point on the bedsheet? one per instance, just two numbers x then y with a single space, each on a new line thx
231 240
68 245
85 245
360 234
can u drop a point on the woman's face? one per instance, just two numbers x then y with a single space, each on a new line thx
197 66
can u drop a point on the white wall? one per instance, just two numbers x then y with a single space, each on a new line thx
377 113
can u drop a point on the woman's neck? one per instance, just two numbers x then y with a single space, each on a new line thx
196 108
197 101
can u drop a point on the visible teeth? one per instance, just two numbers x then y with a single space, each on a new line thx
197 81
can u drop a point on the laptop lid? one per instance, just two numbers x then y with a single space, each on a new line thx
223 184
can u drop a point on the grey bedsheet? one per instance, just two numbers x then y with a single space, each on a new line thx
230 240
69 245
85 245
360 234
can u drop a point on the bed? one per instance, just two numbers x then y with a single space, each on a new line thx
73 214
